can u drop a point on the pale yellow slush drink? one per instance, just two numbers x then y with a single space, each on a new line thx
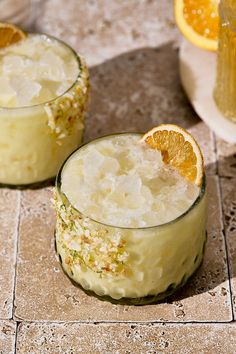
43 93
128 225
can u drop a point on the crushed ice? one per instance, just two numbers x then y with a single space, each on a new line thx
122 182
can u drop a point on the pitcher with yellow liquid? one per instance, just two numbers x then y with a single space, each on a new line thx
225 87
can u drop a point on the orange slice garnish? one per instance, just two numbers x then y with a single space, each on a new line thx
10 34
198 20
179 150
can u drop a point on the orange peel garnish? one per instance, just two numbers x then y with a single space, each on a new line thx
10 34
179 150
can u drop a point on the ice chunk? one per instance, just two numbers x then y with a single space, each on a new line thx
126 192
106 149
71 69
107 184
125 161
12 63
151 218
92 167
110 165
135 201
146 193
51 59
117 197
50 66
130 184
44 95
25 89
30 69
28 47
7 94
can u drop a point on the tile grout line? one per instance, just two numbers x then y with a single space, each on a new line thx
224 230
144 323
226 249
16 247
15 343
141 323
216 154
16 255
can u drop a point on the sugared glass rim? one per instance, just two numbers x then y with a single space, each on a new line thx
80 70
58 187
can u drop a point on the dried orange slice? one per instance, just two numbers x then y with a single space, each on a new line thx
179 149
10 34
198 20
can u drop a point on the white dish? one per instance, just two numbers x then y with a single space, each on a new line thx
197 72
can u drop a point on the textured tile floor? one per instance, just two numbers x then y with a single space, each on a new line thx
7 337
125 338
206 298
135 85
9 215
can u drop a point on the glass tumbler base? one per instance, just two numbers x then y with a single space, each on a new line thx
146 300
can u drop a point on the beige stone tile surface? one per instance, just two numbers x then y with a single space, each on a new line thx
43 292
104 28
206 140
229 205
7 337
226 158
136 91
215 216
74 338
9 213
